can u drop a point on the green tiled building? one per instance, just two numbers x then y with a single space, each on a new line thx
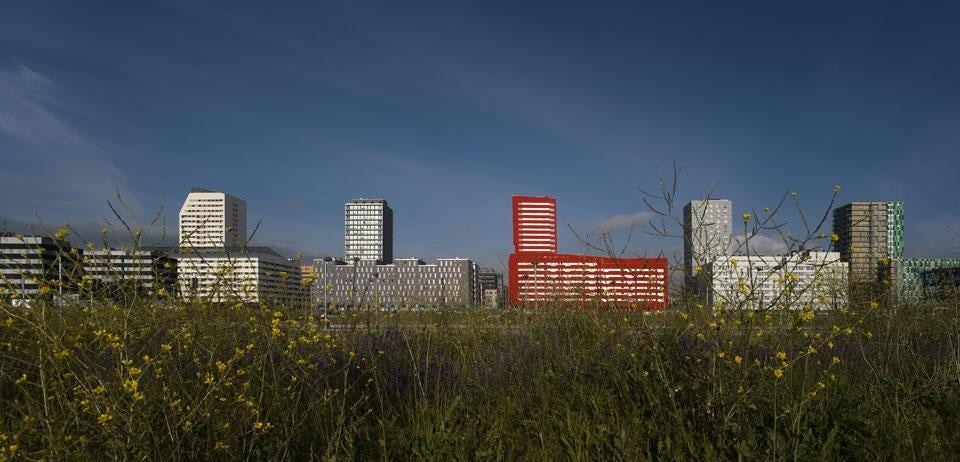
911 271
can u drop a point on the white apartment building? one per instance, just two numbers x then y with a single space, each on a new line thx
817 280
707 235
368 230
212 219
253 275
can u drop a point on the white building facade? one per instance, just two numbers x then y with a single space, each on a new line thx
368 230
807 280
212 219
253 275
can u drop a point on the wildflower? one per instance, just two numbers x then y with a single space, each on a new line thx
737 359
721 354
874 305
104 419
135 371
811 350
61 234
697 269
100 390
746 217
782 355
835 360
130 386
778 373
813 394
821 385
166 347
834 237
262 426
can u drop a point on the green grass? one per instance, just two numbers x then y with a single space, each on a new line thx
236 381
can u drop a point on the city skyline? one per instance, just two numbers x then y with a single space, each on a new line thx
301 108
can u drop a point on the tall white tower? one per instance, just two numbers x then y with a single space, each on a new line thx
212 219
368 230
707 234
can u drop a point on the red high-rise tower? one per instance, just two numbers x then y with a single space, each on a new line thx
534 224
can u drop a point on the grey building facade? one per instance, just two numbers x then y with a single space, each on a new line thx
491 288
33 265
407 283
707 235
143 271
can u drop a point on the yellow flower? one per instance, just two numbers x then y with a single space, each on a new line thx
778 373
781 356
262 426
721 354
737 359
104 419
130 386
835 360
746 217
834 237
874 305
61 234
811 349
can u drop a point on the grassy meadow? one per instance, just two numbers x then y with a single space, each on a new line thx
137 379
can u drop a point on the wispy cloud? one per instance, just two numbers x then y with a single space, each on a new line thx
51 166
621 222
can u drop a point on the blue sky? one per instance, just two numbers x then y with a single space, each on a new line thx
447 108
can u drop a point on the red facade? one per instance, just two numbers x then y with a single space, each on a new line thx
541 277
534 224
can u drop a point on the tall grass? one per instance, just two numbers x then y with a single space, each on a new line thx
240 381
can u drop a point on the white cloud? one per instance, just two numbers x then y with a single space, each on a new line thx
759 245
